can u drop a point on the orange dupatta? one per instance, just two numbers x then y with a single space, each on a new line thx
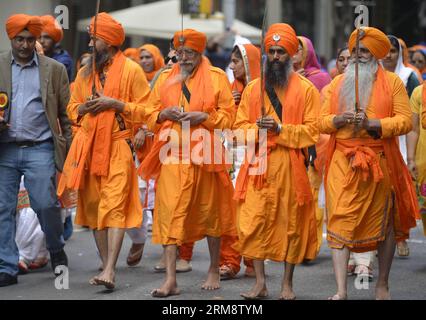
293 110
406 199
202 99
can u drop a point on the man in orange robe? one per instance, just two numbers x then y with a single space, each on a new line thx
100 163
371 201
193 198
245 64
151 60
276 214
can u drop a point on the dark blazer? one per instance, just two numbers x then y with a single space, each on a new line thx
55 94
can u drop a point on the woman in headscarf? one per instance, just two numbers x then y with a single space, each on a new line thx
306 63
151 60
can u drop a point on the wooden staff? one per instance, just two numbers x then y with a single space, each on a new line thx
262 63
94 37
357 102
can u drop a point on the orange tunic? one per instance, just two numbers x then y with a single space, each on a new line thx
111 200
192 202
360 202
271 223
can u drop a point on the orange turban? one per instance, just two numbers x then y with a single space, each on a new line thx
19 22
133 54
192 39
374 40
52 28
108 29
283 35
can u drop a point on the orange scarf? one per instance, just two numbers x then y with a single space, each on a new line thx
202 99
97 142
293 104
238 86
406 199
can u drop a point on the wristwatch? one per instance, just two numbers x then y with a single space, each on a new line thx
279 128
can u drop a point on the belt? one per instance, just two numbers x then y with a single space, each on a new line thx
29 144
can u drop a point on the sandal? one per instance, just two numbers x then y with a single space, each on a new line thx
351 269
364 272
38 263
23 267
403 249
135 254
226 272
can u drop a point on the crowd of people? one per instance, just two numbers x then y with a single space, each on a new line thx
344 148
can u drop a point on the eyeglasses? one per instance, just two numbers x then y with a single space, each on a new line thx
167 59
188 53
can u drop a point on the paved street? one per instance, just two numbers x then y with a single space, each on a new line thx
314 281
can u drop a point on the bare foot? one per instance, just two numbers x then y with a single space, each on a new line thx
169 288
258 292
213 280
107 279
93 281
287 294
382 293
339 296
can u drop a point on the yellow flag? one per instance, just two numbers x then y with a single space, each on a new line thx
206 6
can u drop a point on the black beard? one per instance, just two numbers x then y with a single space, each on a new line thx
277 73
102 59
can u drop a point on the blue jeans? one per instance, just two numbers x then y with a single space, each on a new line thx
37 165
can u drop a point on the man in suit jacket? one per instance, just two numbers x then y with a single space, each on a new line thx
35 135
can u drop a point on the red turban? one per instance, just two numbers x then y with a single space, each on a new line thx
374 40
108 29
283 35
17 23
192 39
52 28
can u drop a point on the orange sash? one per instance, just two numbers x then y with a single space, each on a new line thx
202 99
293 104
97 142
363 155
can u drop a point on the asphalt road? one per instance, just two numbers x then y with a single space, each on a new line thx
312 282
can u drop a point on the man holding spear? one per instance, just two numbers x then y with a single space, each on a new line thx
107 102
276 218
370 197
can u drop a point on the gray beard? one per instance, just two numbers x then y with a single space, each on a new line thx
102 59
367 75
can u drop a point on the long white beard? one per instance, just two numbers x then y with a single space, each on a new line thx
367 74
